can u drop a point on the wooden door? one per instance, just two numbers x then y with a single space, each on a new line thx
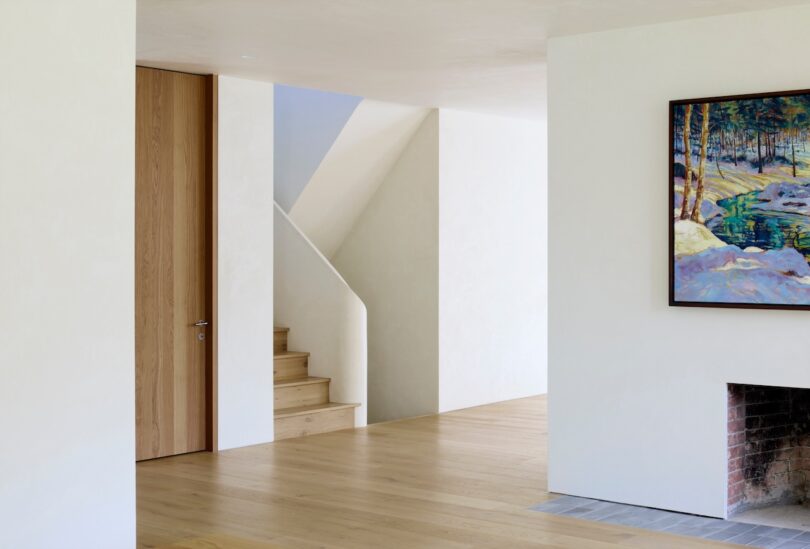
172 255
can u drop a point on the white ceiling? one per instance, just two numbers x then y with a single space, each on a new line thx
480 55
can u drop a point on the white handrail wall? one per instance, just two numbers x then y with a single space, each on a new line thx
324 315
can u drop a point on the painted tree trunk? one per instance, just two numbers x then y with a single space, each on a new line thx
687 176
704 141
793 153
717 159
734 145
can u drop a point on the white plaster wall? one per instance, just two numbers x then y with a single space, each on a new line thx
306 122
324 315
493 251
637 389
390 258
67 395
245 269
351 172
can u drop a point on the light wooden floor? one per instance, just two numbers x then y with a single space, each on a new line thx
462 479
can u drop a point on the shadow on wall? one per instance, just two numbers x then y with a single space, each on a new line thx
306 124
324 315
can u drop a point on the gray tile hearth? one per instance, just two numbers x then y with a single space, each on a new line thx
752 535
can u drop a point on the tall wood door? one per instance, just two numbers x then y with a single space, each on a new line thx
172 255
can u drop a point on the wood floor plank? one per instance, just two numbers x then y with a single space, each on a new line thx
462 479
218 541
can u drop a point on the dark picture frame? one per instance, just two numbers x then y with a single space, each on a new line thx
674 300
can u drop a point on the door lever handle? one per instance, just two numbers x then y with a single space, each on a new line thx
201 323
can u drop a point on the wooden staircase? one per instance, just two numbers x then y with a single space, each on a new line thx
301 404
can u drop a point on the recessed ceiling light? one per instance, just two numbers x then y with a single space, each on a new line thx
247 57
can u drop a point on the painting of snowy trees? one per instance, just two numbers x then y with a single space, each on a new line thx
740 201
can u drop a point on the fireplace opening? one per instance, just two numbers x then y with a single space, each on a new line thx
769 452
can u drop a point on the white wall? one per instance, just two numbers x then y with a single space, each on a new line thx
449 256
307 122
245 269
324 315
351 172
390 258
67 141
637 389
492 267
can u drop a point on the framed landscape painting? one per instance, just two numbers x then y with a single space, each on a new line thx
740 201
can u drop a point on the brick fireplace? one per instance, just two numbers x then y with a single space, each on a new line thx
768 446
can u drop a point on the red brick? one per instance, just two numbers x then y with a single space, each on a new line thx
800 464
776 468
735 412
735 476
735 492
768 444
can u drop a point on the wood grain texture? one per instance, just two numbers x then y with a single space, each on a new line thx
290 365
171 261
304 421
300 392
461 479
280 340
211 374
218 541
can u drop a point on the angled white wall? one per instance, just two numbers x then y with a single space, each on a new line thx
492 259
350 173
636 385
449 257
306 122
324 315
245 263
67 188
390 258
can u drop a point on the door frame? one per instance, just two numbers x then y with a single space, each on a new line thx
211 222
211 365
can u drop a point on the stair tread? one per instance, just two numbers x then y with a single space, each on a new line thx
301 410
280 329
290 354
307 380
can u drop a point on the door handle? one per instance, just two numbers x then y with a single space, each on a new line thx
201 323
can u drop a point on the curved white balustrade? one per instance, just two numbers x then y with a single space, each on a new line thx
325 317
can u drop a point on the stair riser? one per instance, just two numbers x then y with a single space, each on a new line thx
279 342
289 368
301 395
313 424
